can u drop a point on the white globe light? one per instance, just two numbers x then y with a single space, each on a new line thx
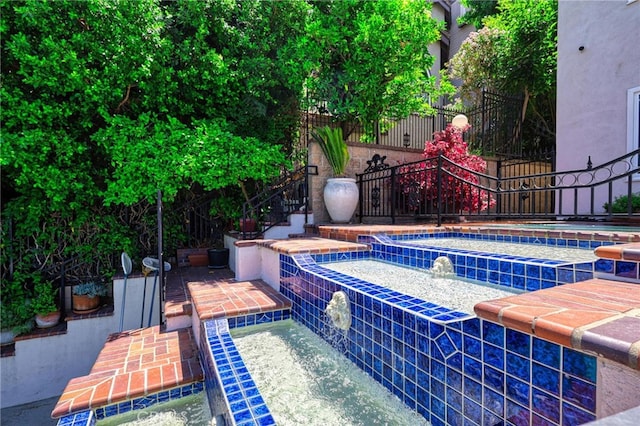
460 121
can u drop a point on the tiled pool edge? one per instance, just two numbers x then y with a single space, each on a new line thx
464 370
518 272
231 391
90 417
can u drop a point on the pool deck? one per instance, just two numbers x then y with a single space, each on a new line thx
600 316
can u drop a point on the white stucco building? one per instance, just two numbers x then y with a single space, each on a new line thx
598 103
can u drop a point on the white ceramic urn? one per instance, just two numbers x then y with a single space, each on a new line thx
341 198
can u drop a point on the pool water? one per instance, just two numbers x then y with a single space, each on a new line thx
185 411
454 293
566 227
540 251
304 381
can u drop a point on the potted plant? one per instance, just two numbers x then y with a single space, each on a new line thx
43 304
86 297
340 193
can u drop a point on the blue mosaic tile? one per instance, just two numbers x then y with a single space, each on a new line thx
546 353
572 415
518 366
517 390
472 347
518 342
579 364
493 333
472 368
472 412
454 399
493 356
579 392
626 269
493 401
545 378
516 414
604 266
494 378
546 405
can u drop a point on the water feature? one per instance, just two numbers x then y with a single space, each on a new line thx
188 410
595 227
438 286
307 382
533 249
451 367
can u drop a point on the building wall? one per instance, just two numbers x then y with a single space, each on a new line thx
598 62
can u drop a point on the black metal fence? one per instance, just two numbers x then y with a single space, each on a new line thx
496 127
437 189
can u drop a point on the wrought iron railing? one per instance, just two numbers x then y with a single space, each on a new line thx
438 189
273 206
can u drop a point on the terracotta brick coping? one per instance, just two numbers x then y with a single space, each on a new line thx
132 364
351 232
629 252
230 298
598 316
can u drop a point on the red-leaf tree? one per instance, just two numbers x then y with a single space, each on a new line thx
459 179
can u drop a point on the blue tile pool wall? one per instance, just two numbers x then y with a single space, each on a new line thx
89 418
231 391
458 371
533 240
518 272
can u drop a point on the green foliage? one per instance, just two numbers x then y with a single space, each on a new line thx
105 103
44 297
369 59
16 313
514 53
478 10
90 289
334 148
621 204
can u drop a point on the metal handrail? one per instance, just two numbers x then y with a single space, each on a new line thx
274 205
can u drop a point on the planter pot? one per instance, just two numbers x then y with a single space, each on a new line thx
198 259
83 304
218 258
247 225
341 199
48 320
6 337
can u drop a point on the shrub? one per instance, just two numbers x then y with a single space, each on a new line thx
621 204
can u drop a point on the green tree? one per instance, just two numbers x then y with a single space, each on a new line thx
516 53
369 59
477 11
104 103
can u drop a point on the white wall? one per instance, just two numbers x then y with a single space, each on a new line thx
593 82
42 367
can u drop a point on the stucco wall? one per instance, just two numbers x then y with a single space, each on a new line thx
593 82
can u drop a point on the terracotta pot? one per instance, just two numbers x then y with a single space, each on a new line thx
247 225
83 304
198 259
48 320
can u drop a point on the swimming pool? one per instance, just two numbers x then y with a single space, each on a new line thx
566 226
530 249
306 382
187 410
451 292
449 367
